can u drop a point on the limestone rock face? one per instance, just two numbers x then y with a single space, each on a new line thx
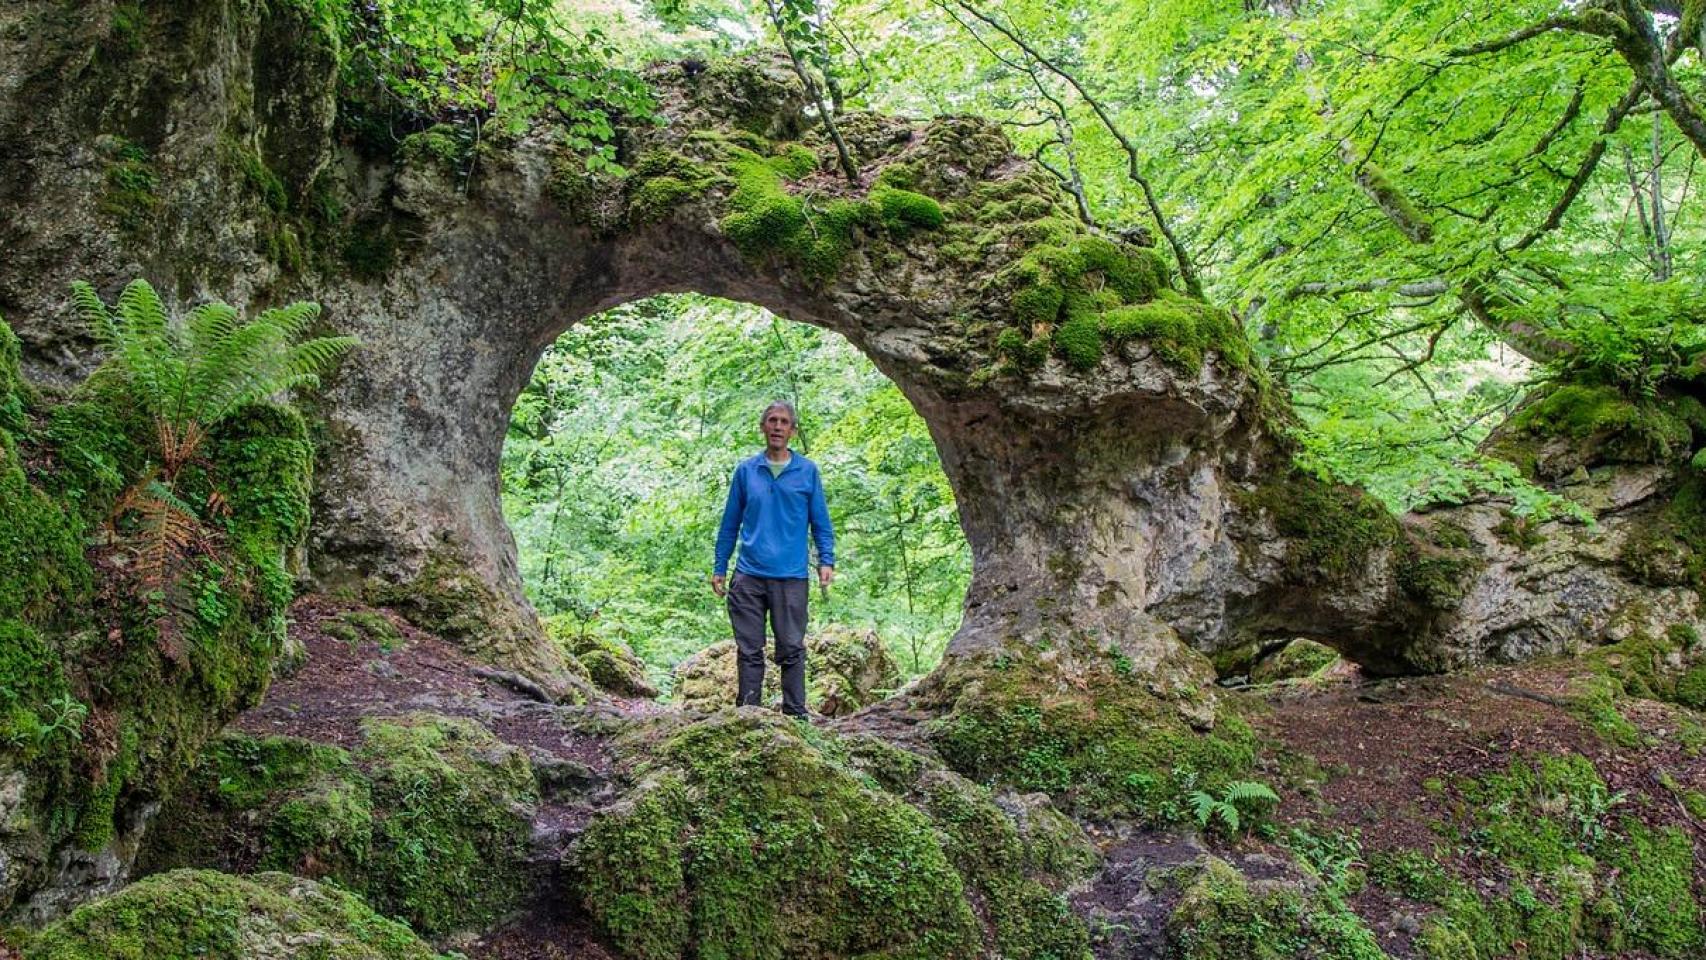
845 669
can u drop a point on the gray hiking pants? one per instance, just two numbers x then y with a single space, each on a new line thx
750 599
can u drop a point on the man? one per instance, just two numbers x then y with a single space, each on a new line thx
774 497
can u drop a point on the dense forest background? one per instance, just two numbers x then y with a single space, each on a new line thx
618 462
1415 209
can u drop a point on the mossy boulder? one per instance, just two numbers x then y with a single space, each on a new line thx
200 913
1299 659
747 832
1566 427
609 662
845 669
1225 915
429 818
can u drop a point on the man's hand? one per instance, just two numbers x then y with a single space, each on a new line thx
719 584
824 576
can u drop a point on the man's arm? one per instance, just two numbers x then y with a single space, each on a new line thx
733 507
823 533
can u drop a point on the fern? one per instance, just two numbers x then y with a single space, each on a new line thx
189 376
1239 801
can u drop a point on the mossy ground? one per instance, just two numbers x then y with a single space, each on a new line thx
1503 825
1576 874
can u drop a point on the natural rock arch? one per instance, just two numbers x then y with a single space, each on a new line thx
1052 463
1118 457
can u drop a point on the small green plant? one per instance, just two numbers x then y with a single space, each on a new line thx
1240 803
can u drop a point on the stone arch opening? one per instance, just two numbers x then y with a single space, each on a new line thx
616 466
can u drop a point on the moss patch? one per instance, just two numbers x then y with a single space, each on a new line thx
196 913
1574 875
1333 529
1105 746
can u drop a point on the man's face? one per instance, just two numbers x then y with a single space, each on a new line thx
778 429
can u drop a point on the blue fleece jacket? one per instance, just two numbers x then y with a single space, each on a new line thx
769 516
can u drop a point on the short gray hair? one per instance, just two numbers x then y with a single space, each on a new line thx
793 418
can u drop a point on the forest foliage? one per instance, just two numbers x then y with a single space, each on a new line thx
619 457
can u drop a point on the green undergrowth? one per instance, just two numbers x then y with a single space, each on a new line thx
199 913
1102 744
1573 870
428 818
109 685
749 836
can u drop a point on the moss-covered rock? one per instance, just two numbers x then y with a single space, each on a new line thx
1568 426
198 913
845 669
1298 659
1101 742
428 819
748 832
1223 915
116 672
608 662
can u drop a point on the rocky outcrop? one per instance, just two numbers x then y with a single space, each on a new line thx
845 669
121 649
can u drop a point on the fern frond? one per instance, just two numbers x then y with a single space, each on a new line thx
1203 804
1229 815
294 318
94 312
1249 791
